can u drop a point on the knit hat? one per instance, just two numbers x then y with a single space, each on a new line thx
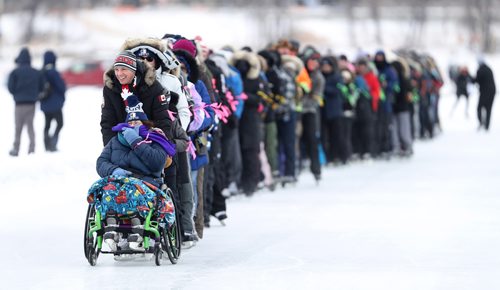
186 45
134 109
126 59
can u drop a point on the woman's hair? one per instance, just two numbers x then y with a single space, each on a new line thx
148 123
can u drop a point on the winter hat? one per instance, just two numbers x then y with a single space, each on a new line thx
134 109
126 59
186 45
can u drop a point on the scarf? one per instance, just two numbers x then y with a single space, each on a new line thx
153 134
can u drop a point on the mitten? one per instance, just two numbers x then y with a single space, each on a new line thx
121 172
131 135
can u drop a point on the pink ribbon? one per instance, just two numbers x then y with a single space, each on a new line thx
243 96
191 150
171 115
220 112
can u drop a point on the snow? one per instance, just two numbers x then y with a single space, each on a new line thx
429 222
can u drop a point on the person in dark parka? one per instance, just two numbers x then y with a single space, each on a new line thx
129 76
487 90
24 83
52 105
248 65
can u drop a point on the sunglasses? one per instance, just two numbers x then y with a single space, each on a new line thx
148 59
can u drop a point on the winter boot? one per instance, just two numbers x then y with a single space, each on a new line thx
14 152
135 239
221 216
111 237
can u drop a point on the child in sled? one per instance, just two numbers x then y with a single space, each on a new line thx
131 165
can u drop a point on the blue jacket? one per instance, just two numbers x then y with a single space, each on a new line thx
146 160
25 82
235 84
205 97
55 101
333 97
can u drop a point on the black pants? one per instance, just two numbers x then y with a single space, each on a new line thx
51 141
426 123
215 180
485 103
336 149
383 132
230 155
362 136
286 143
250 176
310 139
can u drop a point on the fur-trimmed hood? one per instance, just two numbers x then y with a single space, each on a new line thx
145 74
272 57
293 62
251 58
167 60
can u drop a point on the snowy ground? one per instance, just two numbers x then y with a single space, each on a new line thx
427 223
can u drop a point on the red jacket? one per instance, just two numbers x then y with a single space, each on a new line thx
374 87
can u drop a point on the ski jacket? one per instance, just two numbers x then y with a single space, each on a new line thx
25 82
55 101
150 92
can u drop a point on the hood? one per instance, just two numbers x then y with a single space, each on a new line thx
49 57
251 59
155 46
221 61
292 62
190 63
24 56
273 58
145 74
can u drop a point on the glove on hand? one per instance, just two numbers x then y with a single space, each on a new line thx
131 135
121 172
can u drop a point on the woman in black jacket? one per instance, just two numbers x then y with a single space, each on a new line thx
129 76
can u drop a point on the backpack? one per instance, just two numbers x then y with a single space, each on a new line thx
46 90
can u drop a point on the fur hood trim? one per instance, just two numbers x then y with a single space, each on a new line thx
145 74
158 47
292 61
251 58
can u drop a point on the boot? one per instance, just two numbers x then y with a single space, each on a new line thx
46 142
53 143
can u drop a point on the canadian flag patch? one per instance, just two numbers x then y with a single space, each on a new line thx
162 98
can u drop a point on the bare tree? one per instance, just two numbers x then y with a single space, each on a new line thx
374 6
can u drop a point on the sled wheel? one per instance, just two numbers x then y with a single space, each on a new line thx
90 243
158 255
86 239
92 256
171 236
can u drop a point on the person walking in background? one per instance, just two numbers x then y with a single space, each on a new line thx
52 104
24 83
462 80
487 90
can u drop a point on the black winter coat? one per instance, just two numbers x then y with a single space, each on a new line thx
151 93
486 82
250 123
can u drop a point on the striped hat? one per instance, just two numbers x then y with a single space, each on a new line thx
126 59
